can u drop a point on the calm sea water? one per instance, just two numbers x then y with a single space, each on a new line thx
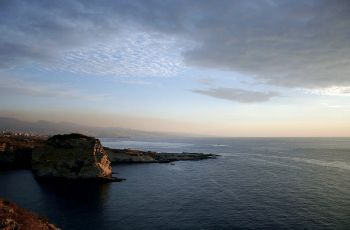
300 183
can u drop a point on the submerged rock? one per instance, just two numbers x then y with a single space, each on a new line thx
14 217
72 156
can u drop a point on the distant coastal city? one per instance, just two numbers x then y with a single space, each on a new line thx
18 134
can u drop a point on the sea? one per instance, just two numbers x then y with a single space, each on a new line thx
255 183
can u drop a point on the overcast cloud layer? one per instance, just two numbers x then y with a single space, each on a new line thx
290 43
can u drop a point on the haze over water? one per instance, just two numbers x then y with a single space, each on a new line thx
257 183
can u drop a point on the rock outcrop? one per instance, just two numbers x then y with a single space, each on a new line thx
130 156
72 156
137 156
16 152
76 156
13 217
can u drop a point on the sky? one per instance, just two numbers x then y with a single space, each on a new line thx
226 68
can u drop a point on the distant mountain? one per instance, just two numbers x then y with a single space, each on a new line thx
43 127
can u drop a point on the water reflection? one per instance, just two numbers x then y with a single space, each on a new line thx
70 202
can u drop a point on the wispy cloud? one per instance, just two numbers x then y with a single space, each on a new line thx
10 86
206 81
237 95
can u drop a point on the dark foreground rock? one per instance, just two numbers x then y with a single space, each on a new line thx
72 156
16 151
137 156
13 217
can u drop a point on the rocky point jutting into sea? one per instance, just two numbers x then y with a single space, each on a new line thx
138 156
71 156
75 156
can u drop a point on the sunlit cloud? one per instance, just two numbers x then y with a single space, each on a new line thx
331 91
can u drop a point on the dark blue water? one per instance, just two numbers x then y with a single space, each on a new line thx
255 184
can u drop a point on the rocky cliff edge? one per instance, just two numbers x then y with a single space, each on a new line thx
71 156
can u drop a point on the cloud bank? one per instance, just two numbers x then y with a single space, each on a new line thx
238 95
281 42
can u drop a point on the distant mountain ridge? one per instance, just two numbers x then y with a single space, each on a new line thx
44 127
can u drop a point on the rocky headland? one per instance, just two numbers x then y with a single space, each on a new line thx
136 156
13 217
71 156
76 156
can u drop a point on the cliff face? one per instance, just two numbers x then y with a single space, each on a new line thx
72 156
13 217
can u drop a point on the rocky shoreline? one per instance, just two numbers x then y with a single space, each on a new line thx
130 156
76 157
14 217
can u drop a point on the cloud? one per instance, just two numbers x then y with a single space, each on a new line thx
12 86
237 95
206 81
37 31
132 53
16 87
289 43
331 91
85 38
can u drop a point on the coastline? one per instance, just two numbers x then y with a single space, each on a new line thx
16 153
